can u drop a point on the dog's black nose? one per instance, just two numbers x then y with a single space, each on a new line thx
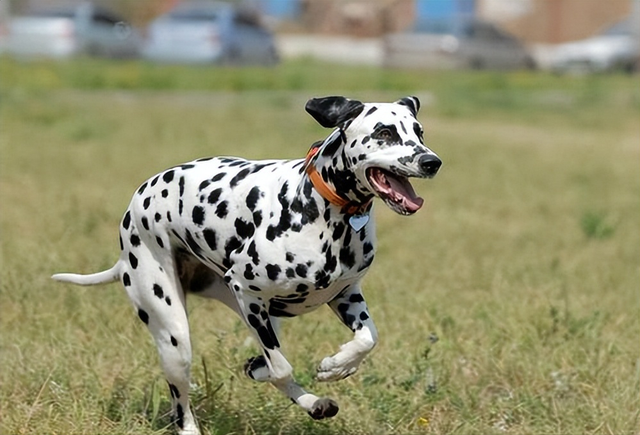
429 164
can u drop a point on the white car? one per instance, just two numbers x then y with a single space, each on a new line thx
618 47
63 32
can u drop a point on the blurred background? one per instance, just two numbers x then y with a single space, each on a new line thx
559 35
508 304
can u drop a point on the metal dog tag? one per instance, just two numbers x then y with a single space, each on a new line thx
358 221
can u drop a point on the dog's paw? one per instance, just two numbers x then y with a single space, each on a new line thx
256 368
323 408
332 369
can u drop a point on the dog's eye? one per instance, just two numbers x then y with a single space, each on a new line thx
385 134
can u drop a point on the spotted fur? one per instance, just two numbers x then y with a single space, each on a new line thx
259 237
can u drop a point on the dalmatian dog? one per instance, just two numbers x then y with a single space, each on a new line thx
270 239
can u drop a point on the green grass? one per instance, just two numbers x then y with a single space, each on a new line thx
524 262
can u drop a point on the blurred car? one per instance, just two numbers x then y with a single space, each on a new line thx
209 32
64 32
618 47
473 44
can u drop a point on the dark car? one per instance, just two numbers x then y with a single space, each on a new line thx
474 44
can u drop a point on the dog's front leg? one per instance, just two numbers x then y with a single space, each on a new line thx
272 366
351 308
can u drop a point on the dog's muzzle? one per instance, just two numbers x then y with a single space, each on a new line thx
394 188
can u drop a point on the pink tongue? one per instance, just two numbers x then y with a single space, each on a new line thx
405 193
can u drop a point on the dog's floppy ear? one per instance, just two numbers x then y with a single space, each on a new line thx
412 103
333 111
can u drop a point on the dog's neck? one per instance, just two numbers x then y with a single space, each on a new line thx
330 171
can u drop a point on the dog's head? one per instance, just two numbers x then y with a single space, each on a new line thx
373 150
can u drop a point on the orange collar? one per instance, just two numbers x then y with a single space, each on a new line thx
327 192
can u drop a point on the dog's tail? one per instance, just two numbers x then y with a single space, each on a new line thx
103 277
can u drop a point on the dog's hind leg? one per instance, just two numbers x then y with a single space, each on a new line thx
157 296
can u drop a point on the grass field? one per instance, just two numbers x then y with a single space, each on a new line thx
509 304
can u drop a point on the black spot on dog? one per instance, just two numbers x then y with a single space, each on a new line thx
257 218
157 290
167 299
331 262
126 279
180 416
268 339
273 270
155 180
356 298
253 253
169 216
221 210
254 321
322 279
165 193
254 308
302 288
370 111
338 231
218 176
133 260
364 316
347 257
244 229
210 238
174 341
174 390
310 212
214 196
168 176
204 184
197 215
367 247
301 270
253 197
289 257
143 316
126 221
239 177
157 217
142 188
248 272
146 203
181 186
135 240
145 222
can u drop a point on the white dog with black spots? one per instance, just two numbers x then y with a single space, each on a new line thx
270 239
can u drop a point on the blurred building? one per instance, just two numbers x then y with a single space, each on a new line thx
553 21
541 21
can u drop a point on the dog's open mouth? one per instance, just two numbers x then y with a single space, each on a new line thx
395 190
